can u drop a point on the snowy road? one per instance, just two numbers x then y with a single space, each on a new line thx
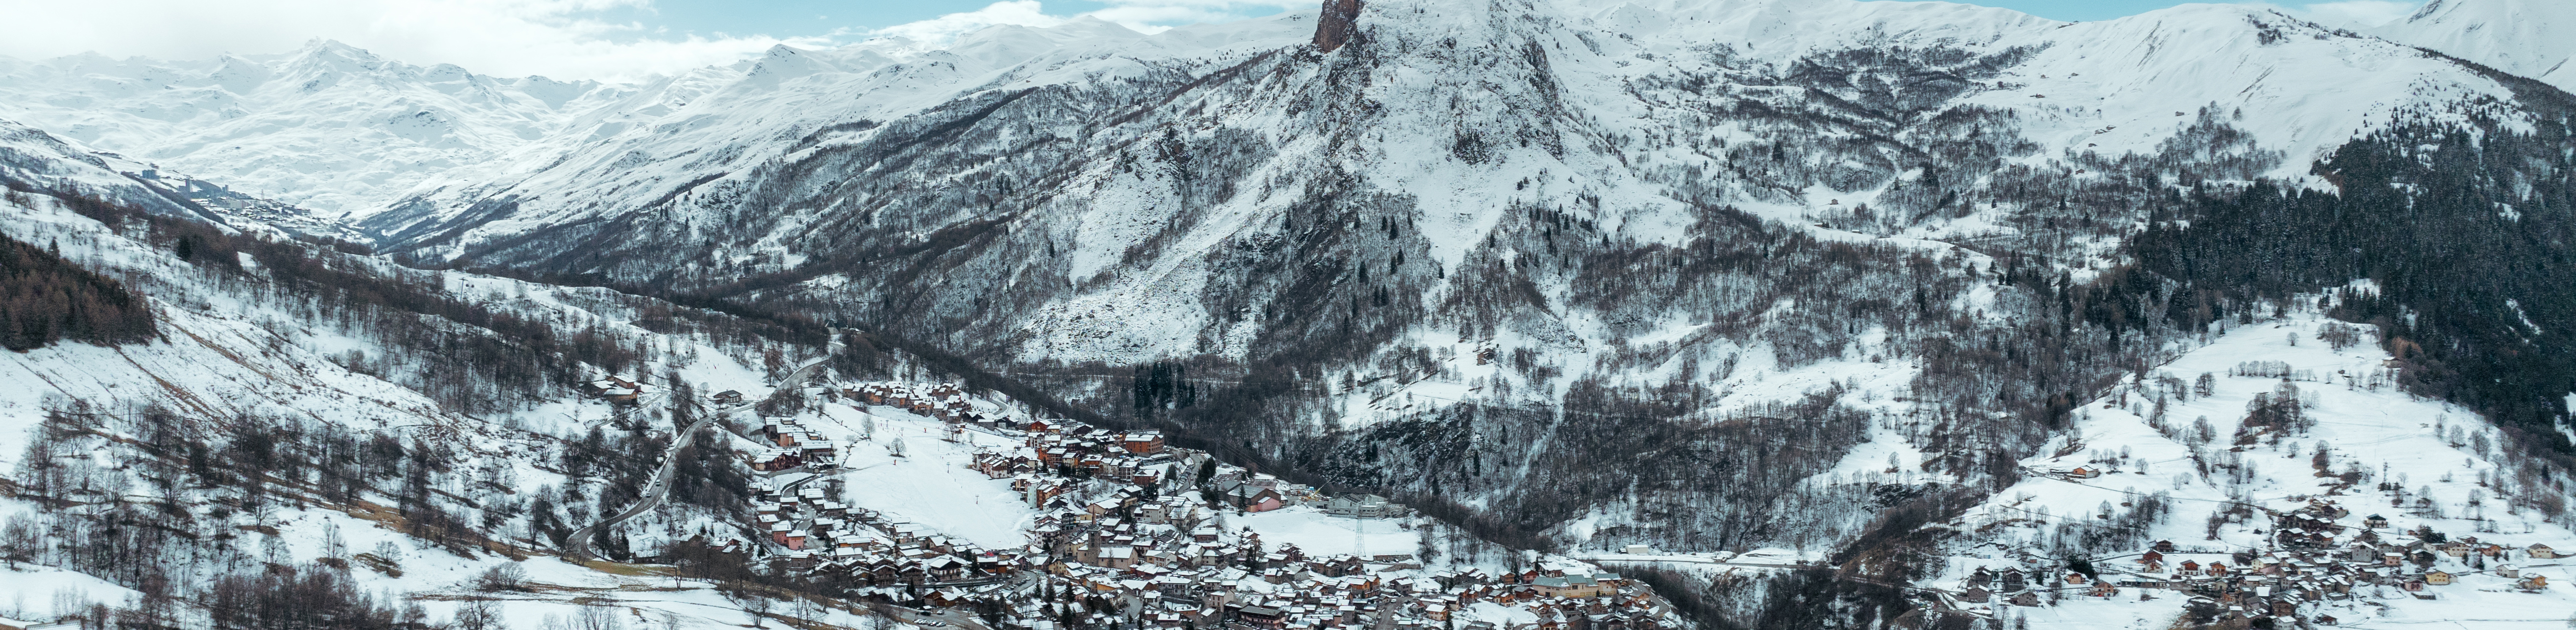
660 487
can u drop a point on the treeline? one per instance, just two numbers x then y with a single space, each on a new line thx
44 299
511 358
471 353
2471 276
313 597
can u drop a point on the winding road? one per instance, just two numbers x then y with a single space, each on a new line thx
578 546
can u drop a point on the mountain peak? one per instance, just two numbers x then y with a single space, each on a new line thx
324 59
320 45
785 62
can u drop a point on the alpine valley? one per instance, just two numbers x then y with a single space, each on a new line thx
1391 314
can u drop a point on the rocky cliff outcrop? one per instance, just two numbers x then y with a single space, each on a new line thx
1339 24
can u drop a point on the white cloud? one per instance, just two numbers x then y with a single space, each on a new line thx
947 27
1148 16
564 39
1152 16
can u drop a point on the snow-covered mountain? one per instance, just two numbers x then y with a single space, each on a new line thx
1495 211
1644 108
1850 283
328 126
2523 37
691 131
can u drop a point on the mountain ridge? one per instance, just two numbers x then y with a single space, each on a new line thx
1850 281
328 126
2511 35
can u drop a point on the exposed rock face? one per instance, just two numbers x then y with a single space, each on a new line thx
1340 23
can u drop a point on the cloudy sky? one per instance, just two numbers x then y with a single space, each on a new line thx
631 39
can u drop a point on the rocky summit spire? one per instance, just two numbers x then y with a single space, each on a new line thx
1340 23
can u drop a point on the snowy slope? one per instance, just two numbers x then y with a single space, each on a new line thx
2449 468
232 351
328 126
2365 423
735 123
2524 37
31 159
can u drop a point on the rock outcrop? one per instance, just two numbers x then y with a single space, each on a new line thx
1339 24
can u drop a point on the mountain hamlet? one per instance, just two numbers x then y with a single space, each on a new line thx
1390 315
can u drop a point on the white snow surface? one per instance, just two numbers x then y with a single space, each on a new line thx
2532 38
2370 428
222 356
930 485
1319 534
327 126
2384 431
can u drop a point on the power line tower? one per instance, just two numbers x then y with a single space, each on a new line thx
1359 539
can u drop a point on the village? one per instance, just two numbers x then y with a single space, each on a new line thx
1122 529
1111 527
2318 557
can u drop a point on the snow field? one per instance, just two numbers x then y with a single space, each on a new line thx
1319 534
930 485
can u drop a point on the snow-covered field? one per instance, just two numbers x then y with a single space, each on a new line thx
33 592
930 484
1319 534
